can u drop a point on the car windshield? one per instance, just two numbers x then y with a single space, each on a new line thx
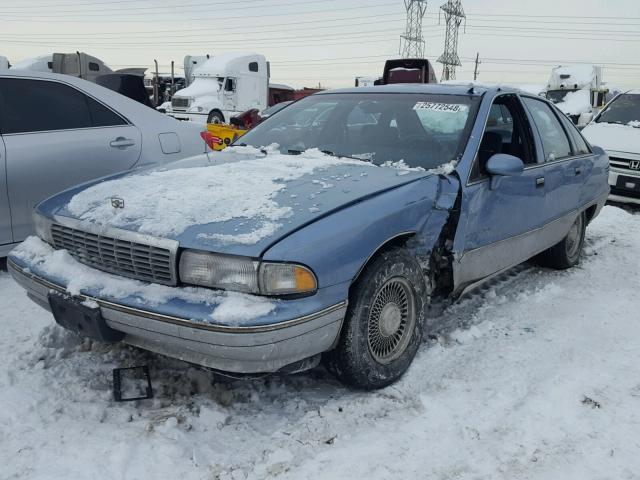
421 130
275 108
624 110
557 96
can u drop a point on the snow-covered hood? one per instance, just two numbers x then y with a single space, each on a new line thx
613 137
576 103
240 201
200 87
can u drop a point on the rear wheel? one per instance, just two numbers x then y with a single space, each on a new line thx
215 117
384 323
566 254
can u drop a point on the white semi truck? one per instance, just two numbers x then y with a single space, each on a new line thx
223 86
577 90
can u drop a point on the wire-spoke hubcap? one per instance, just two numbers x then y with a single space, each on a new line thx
574 238
391 320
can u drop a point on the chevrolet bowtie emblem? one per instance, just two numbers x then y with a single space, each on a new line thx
117 202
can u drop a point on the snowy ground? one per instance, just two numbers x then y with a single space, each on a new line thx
540 379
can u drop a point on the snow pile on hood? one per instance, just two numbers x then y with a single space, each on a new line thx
229 308
404 169
613 136
576 103
167 202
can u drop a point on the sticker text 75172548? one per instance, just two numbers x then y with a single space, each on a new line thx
438 107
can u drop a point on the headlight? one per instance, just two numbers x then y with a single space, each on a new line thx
43 227
244 274
219 271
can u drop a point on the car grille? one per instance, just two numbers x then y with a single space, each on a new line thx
623 164
180 102
623 192
120 257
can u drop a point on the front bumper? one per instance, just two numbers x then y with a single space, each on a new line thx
623 195
255 349
189 117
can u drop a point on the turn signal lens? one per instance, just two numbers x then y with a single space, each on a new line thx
42 227
285 278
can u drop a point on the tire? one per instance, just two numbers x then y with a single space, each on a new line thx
566 254
384 323
215 117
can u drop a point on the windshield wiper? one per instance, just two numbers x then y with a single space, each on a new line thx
331 154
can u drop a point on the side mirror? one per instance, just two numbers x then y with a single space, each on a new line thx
585 119
502 165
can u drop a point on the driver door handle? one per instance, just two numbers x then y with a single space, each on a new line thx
539 182
122 143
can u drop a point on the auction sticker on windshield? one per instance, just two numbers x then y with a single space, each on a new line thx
439 107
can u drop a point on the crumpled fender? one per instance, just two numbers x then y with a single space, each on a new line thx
339 246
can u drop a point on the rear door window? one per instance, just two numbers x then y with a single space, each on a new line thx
580 145
42 106
554 139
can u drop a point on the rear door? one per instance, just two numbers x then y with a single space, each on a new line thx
56 137
566 166
5 213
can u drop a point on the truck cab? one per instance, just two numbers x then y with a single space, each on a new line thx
222 87
78 64
578 91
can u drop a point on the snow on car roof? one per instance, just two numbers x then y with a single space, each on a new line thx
433 88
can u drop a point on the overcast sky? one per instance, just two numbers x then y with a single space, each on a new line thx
331 41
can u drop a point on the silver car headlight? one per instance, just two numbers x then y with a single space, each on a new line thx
243 274
42 227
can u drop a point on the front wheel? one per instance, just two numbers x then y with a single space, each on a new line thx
384 323
566 254
215 117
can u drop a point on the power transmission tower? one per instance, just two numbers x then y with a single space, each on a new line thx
412 44
454 15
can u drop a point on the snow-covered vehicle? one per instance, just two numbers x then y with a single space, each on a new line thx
578 91
374 202
223 86
617 130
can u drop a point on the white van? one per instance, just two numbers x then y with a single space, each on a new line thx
222 87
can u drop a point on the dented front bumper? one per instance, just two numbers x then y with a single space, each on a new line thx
287 345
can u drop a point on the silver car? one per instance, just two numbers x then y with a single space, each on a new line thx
57 131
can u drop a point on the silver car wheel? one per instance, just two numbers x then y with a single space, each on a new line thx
391 320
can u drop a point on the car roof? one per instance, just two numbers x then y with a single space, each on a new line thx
428 88
635 91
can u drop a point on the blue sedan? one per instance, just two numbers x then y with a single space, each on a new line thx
325 235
